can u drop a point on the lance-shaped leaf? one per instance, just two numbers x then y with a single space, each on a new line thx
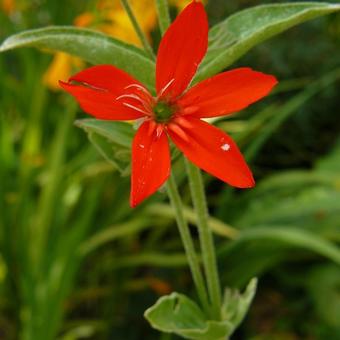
112 140
233 37
91 46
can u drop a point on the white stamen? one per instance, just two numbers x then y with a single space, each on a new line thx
134 96
159 131
146 106
146 103
136 108
166 87
128 96
137 86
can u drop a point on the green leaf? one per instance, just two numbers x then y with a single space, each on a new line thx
236 304
119 133
91 46
324 288
291 237
178 314
314 207
233 37
261 248
118 157
330 163
112 140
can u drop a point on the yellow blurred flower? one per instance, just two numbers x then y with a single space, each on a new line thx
60 68
84 20
180 4
111 19
117 23
7 6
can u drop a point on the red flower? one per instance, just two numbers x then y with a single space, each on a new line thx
109 93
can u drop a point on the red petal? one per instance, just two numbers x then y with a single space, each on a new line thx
99 88
226 93
100 104
150 161
181 50
212 150
106 77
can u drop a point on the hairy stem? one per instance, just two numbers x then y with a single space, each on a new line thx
187 241
206 238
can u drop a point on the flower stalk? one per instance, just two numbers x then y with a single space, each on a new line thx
199 200
163 15
187 241
206 238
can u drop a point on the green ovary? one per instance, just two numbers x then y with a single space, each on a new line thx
163 112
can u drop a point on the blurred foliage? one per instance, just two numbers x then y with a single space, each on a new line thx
65 209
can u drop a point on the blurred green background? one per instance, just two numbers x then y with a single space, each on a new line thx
77 263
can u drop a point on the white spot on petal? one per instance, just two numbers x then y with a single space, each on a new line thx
225 147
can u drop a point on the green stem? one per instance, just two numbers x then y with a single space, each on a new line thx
189 247
206 238
216 225
136 26
163 15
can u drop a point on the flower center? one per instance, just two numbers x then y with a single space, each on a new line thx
163 112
